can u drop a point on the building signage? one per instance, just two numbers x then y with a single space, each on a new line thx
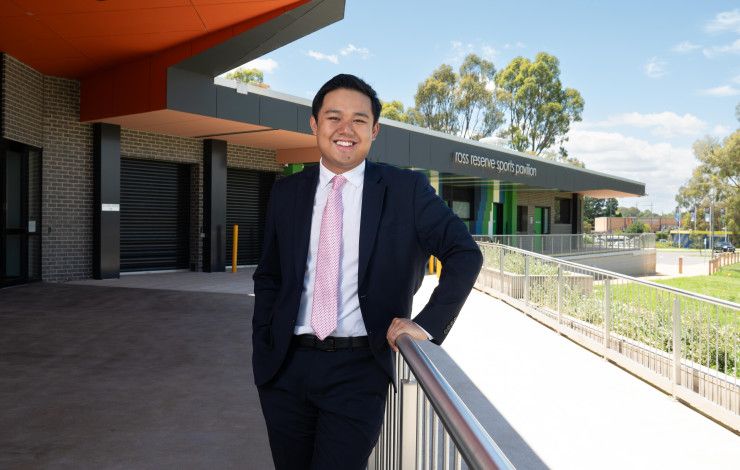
111 207
500 166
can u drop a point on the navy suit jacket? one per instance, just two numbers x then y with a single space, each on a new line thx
403 222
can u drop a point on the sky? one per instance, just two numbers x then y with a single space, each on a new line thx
655 75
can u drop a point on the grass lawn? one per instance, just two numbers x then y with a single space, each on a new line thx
724 284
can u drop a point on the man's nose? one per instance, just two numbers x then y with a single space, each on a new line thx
346 127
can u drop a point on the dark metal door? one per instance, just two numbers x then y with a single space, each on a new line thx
247 194
155 215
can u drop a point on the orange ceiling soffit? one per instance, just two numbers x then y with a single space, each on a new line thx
73 38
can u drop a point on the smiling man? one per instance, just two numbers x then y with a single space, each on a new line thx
346 243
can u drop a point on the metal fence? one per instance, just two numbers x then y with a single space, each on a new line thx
427 426
684 343
573 244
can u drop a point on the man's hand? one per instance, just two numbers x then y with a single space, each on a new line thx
404 325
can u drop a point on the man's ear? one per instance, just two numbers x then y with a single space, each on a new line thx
376 129
314 126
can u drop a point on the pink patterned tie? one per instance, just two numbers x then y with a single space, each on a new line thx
326 285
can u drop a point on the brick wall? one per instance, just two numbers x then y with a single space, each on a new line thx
67 185
239 156
43 111
23 102
533 199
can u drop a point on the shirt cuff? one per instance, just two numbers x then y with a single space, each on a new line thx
429 337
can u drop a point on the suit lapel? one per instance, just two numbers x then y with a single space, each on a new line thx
373 193
302 212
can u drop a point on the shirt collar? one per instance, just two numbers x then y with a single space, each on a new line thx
355 176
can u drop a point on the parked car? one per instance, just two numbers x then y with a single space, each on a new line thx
724 246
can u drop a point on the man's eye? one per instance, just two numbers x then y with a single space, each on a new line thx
360 121
333 118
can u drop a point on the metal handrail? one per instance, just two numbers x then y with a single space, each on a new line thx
477 448
612 274
564 244
682 342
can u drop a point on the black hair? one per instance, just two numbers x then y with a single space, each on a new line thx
349 82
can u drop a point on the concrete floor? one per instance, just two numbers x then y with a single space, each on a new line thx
105 377
153 372
550 403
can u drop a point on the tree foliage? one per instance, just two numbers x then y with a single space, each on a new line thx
460 102
248 76
716 180
636 227
393 110
594 207
538 108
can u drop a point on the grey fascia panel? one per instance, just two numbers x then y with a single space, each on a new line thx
264 38
191 92
304 116
377 150
419 150
237 106
397 146
278 114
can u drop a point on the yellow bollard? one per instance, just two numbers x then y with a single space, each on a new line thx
680 265
439 268
234 248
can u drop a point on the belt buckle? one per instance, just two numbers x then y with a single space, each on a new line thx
327 344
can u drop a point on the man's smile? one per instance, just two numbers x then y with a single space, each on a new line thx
344 143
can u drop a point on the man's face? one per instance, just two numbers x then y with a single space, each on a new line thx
344 130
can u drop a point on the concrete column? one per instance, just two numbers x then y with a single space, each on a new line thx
214 205
107 200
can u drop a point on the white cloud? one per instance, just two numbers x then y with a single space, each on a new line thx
725 21
461 49
264 64
488 52
721 131
655 68
363 52
321 56
724 90
666 124
685 46
714 51
662 166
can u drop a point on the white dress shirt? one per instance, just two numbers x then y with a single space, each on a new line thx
349 321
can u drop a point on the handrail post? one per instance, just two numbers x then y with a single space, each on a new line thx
501 267
409 406
560 297
607 315
676 345
526 279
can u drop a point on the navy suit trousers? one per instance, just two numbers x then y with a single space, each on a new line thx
324 409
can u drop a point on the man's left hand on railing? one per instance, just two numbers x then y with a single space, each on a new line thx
404 325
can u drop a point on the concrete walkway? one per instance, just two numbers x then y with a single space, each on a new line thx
100 377
153 372
552 403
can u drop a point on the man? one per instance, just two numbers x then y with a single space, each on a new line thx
346 243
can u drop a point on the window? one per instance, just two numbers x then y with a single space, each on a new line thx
460 200
521 217
562 211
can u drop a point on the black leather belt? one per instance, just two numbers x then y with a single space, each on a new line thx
331 343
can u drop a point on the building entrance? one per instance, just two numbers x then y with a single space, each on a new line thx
20 217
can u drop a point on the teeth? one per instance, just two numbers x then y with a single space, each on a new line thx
344 143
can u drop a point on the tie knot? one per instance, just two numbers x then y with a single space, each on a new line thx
337 182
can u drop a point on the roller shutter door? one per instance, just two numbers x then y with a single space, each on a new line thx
247 193
155 215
